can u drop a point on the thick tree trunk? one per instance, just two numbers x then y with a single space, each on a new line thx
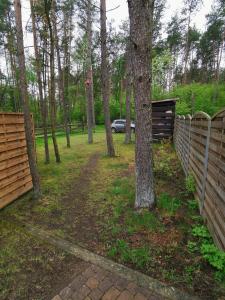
61 85
25 98
40 86
105 80
128 95
141 15
52 83
89 75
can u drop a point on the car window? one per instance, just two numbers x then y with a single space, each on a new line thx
120 122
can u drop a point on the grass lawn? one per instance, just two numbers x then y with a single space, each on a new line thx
88 199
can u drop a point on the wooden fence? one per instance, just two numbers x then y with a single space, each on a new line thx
163 115
76 127
200 144
15 178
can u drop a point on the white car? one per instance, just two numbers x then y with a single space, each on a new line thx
120 126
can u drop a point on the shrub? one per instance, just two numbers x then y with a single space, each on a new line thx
200 231
190 184
139 256
216 258
169 204
192 204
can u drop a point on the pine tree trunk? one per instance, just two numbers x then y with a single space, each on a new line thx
128 95
105 80
89 75
25 98
14 63
141 15
52 84
61 85
186 52
40 86
121 98
67 50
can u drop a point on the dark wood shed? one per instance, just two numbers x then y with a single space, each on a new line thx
163 116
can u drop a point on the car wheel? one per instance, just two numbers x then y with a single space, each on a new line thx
113 130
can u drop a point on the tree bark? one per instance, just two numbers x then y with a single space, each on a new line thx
141 23
128 95
52 81
121 98
40 86
61 85
105 80
187 49
89 75
25 99
67 49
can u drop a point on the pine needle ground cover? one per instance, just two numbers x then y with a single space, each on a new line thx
88 199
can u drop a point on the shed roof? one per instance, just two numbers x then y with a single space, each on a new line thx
165 100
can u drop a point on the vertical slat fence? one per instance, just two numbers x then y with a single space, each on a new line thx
200 145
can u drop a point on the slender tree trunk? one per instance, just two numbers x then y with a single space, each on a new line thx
45 81
52 82
186 53
61 85
40 87
66 71
121 98
105 80
89 75
14 63
141 23
128 95
220 54
25 98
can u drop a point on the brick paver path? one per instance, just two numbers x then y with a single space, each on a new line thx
94 283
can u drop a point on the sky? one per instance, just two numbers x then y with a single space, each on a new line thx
120 14
172 6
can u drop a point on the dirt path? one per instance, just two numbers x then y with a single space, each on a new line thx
80 221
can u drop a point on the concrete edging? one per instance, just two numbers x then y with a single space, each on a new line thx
139 278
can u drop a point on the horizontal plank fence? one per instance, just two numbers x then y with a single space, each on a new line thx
15 177
200 145
76 127
163 115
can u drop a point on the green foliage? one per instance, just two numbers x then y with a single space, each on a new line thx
190 184
192 246
200 231
208 250
142 220
197 218
139 256
182 108
198 97
189 270
163 162
216 258
168 204
192 204
160 65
